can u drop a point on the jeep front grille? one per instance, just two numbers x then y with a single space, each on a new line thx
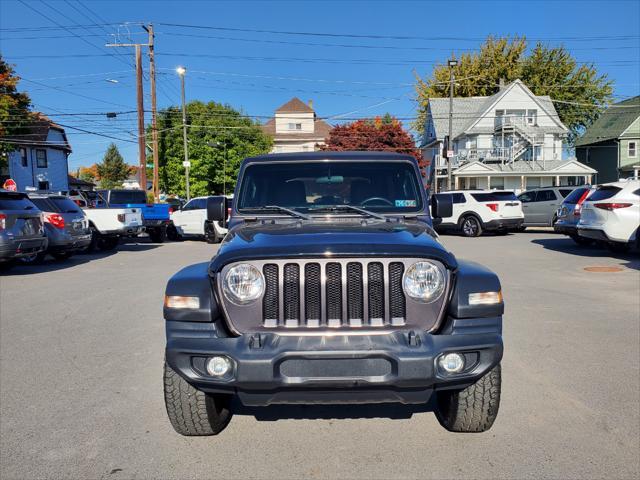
333 294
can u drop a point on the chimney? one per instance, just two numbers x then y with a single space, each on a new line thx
311 104
501 84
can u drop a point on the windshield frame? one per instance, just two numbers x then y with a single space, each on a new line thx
422 209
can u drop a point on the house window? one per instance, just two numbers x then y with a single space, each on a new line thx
41 158
532 116
632 149
43 185
23 157
295 126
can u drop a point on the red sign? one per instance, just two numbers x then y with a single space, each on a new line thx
10 185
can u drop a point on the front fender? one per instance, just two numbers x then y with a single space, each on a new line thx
472 277
192 281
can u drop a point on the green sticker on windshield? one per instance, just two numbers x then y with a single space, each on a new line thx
405 203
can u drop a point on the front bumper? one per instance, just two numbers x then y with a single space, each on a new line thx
16 247
503 223
398 366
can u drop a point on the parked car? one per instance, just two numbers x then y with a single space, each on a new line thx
333 288
155 215
568 214
611 215
21 228
191 220
475 211
66 227
540 205
108 225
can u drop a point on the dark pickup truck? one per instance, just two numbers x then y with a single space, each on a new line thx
155 216
331 287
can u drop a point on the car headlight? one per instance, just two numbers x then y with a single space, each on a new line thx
243 284
423 282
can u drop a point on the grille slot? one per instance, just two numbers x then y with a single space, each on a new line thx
291 289
270 310
355 293
397 302
334 294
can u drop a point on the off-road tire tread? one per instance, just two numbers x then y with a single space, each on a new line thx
191 411
473 409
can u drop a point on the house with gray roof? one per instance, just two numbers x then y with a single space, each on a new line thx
512 140
611 144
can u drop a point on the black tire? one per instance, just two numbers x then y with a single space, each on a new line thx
521 228
158 235
191 411
582 241
473 409
108 243
61 255
470 226
172 233
95 237
210 233
554 220
35 259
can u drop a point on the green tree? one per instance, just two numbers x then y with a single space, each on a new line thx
113 170
14 110
545 70
214 131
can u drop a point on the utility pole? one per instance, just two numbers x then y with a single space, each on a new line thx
142 147
181 72
452 63
154 114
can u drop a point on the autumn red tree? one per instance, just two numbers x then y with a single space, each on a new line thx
377 134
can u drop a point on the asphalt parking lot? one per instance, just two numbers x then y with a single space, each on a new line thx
81 349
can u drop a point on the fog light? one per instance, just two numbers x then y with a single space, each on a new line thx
218 366
451 362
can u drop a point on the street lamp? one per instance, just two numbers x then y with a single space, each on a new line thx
181 71
452 63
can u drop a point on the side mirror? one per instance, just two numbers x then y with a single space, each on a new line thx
441 205
216 208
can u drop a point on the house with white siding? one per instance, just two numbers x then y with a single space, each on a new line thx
511 140
296 128
40 160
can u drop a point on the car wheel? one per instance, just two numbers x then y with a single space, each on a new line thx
473 409
554 220
172 233
108 243
582 241
95 237
158 235
191 411
61 255
210 233
33 259
471 226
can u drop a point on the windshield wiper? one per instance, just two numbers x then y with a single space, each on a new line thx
335 208
278 208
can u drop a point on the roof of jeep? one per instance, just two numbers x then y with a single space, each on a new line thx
326 155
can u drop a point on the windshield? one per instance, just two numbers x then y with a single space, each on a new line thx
390 187
121 197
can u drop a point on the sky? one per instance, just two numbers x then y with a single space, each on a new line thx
352 58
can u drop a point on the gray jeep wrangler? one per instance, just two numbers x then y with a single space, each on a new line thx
331 287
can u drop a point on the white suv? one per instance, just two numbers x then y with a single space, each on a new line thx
191 220
611 214
478 210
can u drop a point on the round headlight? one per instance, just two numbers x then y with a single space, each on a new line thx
243 284
423 281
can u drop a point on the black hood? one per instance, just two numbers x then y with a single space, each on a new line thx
294 239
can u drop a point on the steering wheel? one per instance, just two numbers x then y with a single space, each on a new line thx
376 199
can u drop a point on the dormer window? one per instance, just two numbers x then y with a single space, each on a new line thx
295 126
532 117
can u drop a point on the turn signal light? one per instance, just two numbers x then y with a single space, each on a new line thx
55 220
611 206
485 298
176 301
3 221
